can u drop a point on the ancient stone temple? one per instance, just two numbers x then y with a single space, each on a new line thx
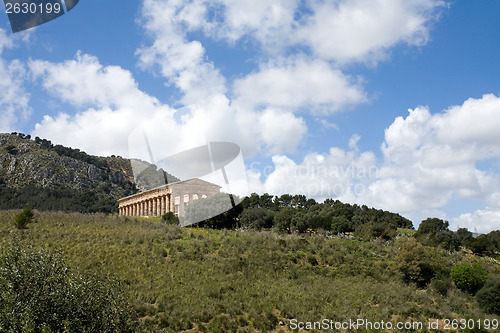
167 198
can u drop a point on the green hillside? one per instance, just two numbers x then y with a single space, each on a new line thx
197 279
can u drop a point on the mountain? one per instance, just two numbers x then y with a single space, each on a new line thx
45 176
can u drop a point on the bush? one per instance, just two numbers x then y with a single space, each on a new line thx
256 218
441 285
39 294
489 296
170 218
469 278
412 261
24 218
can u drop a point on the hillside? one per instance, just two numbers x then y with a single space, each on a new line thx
195 279
45 176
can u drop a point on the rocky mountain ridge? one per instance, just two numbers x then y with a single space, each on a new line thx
31 168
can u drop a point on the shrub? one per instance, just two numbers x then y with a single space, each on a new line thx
489 296
24 218
256 218
469 278
441 285
412 263
39 294
170 218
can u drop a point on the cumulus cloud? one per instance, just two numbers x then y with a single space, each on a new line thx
429 160
298 83
345 31
364 30
179 60
482 221
110 106
14 100
298 70
5 41
337 174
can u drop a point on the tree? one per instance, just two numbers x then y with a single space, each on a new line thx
256 218
300 222
412 263
480 245
468 277
489 296
463 235
429 230
24 218
283 219
340 224
432 226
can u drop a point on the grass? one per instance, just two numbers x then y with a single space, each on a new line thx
219 280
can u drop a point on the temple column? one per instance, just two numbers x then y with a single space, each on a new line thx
172 203
141 210
154 207
163 205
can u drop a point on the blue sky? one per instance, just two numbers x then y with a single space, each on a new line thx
316 93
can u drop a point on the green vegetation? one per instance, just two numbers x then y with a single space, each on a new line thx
469 277
39 294
251 280
24 218
489 296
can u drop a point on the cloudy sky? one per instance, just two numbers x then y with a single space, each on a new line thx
390 103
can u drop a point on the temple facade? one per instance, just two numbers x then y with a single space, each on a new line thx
167 198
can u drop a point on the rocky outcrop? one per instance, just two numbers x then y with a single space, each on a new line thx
24 162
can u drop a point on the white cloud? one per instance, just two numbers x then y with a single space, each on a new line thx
181 61
84 81
270 23
14 100
298 83
5 41
344 31
110 106
482 221
337 174
281 131
429 161
364 30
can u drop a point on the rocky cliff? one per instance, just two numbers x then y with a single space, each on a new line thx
31 169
